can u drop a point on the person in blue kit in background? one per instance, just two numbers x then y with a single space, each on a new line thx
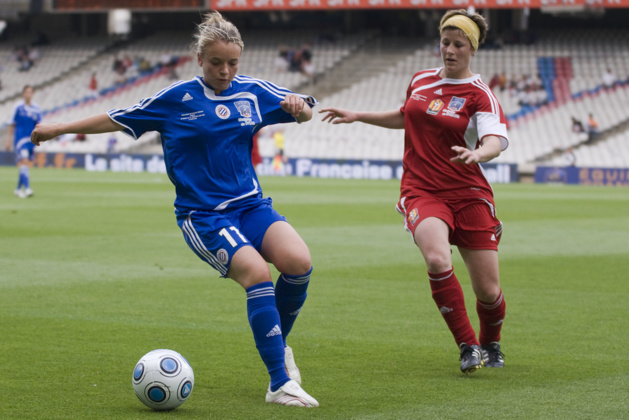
207 126
24 118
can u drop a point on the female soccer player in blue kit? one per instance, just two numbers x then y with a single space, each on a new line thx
207 126
24 118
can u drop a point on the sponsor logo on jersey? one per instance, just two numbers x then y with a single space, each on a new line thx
244 108
222 256
413 216
449 113
418 97
186 97
434 107
438 92
191 116
222 112
456 104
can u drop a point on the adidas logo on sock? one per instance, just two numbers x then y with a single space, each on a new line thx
296 312
445 310
275 331
186 97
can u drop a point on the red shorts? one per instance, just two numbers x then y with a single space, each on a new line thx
473 223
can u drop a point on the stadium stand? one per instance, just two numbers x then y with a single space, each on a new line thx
569 64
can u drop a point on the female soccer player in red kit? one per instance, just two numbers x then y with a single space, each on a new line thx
452 123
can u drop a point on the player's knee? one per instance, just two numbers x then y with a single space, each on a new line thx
437 262
295 264
250 278
248 268
488 293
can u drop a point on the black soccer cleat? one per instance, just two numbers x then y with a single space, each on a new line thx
471 358
492 356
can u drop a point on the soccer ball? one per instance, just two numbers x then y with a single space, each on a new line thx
163 379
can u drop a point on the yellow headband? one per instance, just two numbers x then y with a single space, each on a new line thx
467 25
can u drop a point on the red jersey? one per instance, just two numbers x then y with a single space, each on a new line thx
441 113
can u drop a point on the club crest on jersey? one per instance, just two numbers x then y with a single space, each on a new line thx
222 112
244 108
434 107
222 256
413 216
456 104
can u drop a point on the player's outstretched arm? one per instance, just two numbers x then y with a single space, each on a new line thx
297 107
100 123
386 119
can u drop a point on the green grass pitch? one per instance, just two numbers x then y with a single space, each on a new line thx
94 272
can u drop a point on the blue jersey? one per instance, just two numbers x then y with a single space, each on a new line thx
207 138
24 118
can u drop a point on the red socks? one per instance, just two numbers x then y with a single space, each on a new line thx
448 295
491 316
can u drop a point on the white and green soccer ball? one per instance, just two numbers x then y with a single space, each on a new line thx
163 379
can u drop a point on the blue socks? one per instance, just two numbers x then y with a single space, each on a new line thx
290 295
272 314
24 177
267 331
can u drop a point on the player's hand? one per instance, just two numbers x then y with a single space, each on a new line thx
293 105
465 156
338 116
44 132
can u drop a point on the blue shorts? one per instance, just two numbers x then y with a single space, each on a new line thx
215 236
24 150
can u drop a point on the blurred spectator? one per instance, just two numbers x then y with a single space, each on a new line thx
609 79
93 86
592 128
525 96
278 138
111 142
120 77
307 68
127 62
494 82
294 61
144 65
117 65
21 54
280 159
569 158
164 59
281 61
541 96
169 62
34 55
502 81
577 126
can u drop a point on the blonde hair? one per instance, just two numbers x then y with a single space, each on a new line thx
474 17
213 28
